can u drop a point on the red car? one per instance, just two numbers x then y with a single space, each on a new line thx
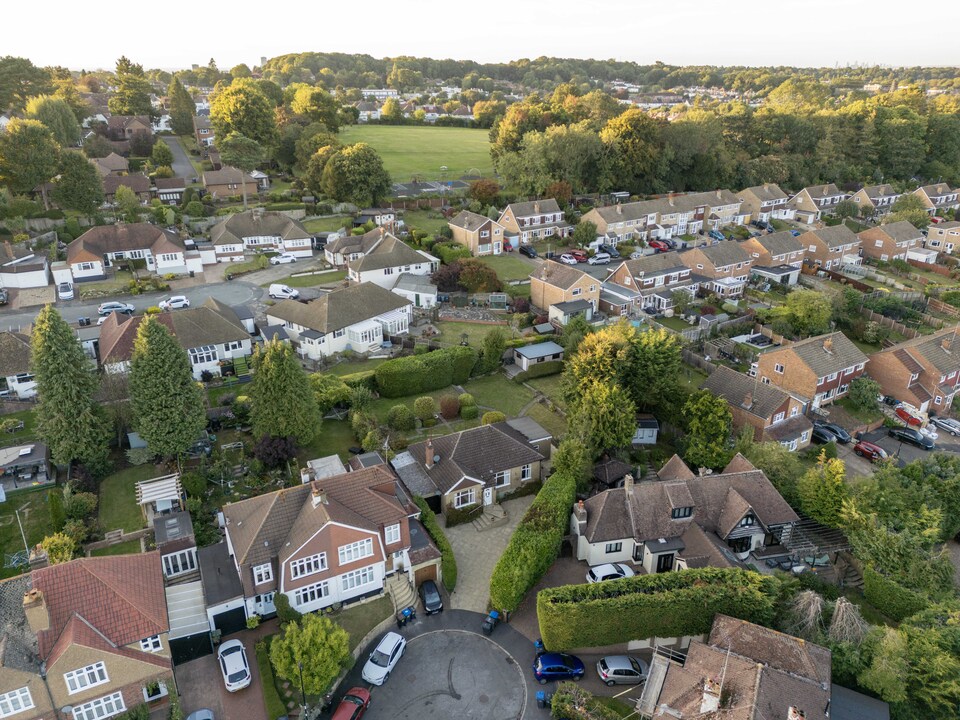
579 255
353 705
870 451
659 245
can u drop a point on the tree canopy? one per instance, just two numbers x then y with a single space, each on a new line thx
243 108
283 402
79 186
355 174
315 646
57 115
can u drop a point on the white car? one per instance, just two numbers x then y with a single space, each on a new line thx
174 302
600 259
234 666
384 658
65 291
608 571
279 291
113 306
568 259
283 258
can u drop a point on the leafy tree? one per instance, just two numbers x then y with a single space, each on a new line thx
604 416
400 417
425 408
846 209
161 154
808 312
29 156
864 392
477 277
132 96
604 356
20 79
182 108
356 174
241 71
709 423
315 647
275 452
634 140
572 459
561 191
494 345
67 417
654 368
573 334
484 191
781 466
79 186
141 144
57 115
314 176
908 207
312 138
60 548
888 670
242 153
318 105
584 233
97 146
167 402
329 391
403 78
486 112
823 489
127 204
243 108
391 111
283 404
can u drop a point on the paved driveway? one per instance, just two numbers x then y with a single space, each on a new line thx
201 686
908 453
181 163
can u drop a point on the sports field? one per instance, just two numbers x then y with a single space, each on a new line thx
423 150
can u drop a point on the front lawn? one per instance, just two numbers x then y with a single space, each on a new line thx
34 516
865 416
131 547
358 620
118 507
451 332
118 284
328 224
509 267
301 281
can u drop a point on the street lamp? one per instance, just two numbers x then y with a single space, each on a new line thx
303 697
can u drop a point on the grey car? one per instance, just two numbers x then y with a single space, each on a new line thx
948 424
621 670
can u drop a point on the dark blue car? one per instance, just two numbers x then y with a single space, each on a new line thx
557 666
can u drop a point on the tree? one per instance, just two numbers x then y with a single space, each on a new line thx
494 344
391 111
654 370
181 106
57 115
822 490
864 392
486 112
60 548
634 139
584 233
781 466
403 78
241 152
491 417
425 408
572 459
561 191
318 105
315 647
21 79
709 423
167 402
132 96
910 208
67 416
477 277
241 71
97 146
162 155
313 177
604 416
127 204
846 209
312 138
243 108
79 186
329 391
356 174
484 191
29 156
115 400
808 312
283 404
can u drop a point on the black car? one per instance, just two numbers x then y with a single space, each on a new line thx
528 250
4 298
609 250
842 435
822 435
909 435
430 597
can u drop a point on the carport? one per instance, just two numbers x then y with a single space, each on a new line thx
189 628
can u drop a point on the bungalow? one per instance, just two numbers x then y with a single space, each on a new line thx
378 216
535 220
777 257
832 247
16 379
203 131
938 197
20 268
875 200
924 372
170 190
529 355
555 284
812 203
682 521
389 258
481 234
100 247
139 184
726 266
765 203
352 247
890 242
654 279
259 230
356 318
944 237
112 164
228 182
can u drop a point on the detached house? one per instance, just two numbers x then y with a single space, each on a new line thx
924 372
765 203
259 230
203 131
112 164
388 260
777 257
170 190
358 318
875 200
938 197
16 378
726 267
378 216
812 203
481 234
774 414
820 368
100 247
534 220
624 221
832 247
138 184
564 291
890 242
944 237
124 127
228 182
655 278
351 247
684 521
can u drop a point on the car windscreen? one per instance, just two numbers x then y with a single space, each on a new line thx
380 659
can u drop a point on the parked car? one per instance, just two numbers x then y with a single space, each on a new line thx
599 259
796 233
232 656
912 436
568 259
279 291
945 423
114 306
621 670
870 451
580 255
203 714
353 705
4 297
843 437
659 245
636 255
716 235
608 571
822 435
528 250
936 220
430 597
65 291
174 302
557 666
609 250
384 658
283 258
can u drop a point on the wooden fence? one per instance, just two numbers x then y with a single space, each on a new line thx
886 322
931 267
942 307
697 361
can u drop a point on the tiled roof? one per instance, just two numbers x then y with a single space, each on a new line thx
357 243
675 469
390 252
227 175
936 190
652 265
174 183
769 191
725 253
534 207
14 353
341 308
469 221
824 358
836 236
941 350
18 644
558 275
253 223
137 183
878 191
780 243
104 239
822 191
735 387
901 231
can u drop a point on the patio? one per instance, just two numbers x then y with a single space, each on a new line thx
23 466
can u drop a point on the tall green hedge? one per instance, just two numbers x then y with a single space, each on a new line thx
663 605
550 367
535 543
448 563
415 374
364 378
889 597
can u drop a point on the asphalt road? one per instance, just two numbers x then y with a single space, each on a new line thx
908 453
181 163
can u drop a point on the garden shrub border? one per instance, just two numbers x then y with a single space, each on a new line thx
890 597
448 563
544 369
417 374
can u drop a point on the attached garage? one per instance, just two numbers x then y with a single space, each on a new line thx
426 572
189 629
225 607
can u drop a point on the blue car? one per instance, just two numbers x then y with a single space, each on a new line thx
717 235
557 666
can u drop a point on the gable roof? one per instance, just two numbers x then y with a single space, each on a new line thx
936 190
824 357
736 387
878 191
348 244
174 183
138 183
533 207
14 353
901 231
651 265
103 239
836 236
725 253
122 122
389 252
469 221
780 243
931 348
111 163
341 308
227 175
559 275
822 191
675 469
254 223
767 191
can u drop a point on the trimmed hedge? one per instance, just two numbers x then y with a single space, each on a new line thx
889 597
415 374
662 605
364 378
551 367
535 543
448 563
572 702
286 206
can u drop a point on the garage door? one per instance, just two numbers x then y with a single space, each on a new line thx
231 621
189 629
190 648
425 573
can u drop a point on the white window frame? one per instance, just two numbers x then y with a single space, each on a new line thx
177 563
526 472
357 578
86 677
15 701
339 333
778 417
502 478
308 566
203 354
262 574
234 345
311 593
151 644
778 368
576 291
391 534
355 551
103 707
464 498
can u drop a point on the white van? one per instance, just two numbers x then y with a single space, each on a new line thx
279 291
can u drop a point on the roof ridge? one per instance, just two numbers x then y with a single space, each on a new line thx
122 593
259 526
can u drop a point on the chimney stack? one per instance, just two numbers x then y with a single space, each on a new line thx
619 209
536 208
670 198
307 475
429 452
945 343
319 494
35 608
828 345
628 483
580 513
719 195
710 702
748 400
795 713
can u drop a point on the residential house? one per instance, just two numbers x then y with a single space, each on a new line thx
535 220
90 635
170 190
726 266
481 234
812 203
102 246
944 237
259 230
623 222
777 257
774 414
832 247
654 278
357 318
352 247
228 182
924 372
368 111
322 543
418 289
530 355
380 94
938 197
378 216
124 127
820 368
138 183
618 301
771 676
682 520
387 260
469 469
534 434
765 203
112 164
20 268
890 242
555 286
16 378
212 335
875 200
203 131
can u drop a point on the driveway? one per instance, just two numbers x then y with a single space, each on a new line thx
181 163
908 453
201 686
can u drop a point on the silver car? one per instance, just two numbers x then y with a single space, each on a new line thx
621 670
947 424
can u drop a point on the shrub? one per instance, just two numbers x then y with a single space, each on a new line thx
194 483
470 412
286 206
572 702
362 424
253 622
360 397
830 450
57 515
285 613
364 378
448 563
458 516
466 400
889 597
449 407
491 417
551 367
139 456
274 452
423 373
400 417
424 408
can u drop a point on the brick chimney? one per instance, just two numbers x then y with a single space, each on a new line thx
710 702
306 475
35 608
580 513
766 186
536 208
945 343
670 198
428 460
719 195
319 494
828 345
748 400
628 483
619 209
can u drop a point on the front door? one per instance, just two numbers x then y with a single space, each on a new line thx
665 563
488 496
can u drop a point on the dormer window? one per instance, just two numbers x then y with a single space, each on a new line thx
262 574
678 513
747 521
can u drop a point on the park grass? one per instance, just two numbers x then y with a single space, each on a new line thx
427 221
508 267
131 547
35 517
423 150
328 224
118 498
451 332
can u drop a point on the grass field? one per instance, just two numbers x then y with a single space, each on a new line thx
508 268
118 498
422 151
35 516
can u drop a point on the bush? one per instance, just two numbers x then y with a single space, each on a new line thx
470 412
364 378
889 597
361 397
830 450
425 408
449 407
274 452
645 606
194 483
415 374
572 702
285 613
400 417
57 515
466 400
551 367
459 516
139 456
491 417
450 252
448 563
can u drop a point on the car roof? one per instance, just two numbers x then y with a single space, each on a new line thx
389 641
620 661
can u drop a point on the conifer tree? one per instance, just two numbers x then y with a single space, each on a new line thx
283 402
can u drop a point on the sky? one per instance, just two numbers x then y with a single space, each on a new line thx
802 33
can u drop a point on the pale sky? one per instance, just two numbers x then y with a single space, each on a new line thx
801 33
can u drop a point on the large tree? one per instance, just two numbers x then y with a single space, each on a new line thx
127 204
79 186
708 424
356 174
908 207
655 364
315 648
604 417
808 312
132 96
181 107
21 79
167 401
57 115
633 139
67 417
242 153
243 108
29 156
283 402
316 104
